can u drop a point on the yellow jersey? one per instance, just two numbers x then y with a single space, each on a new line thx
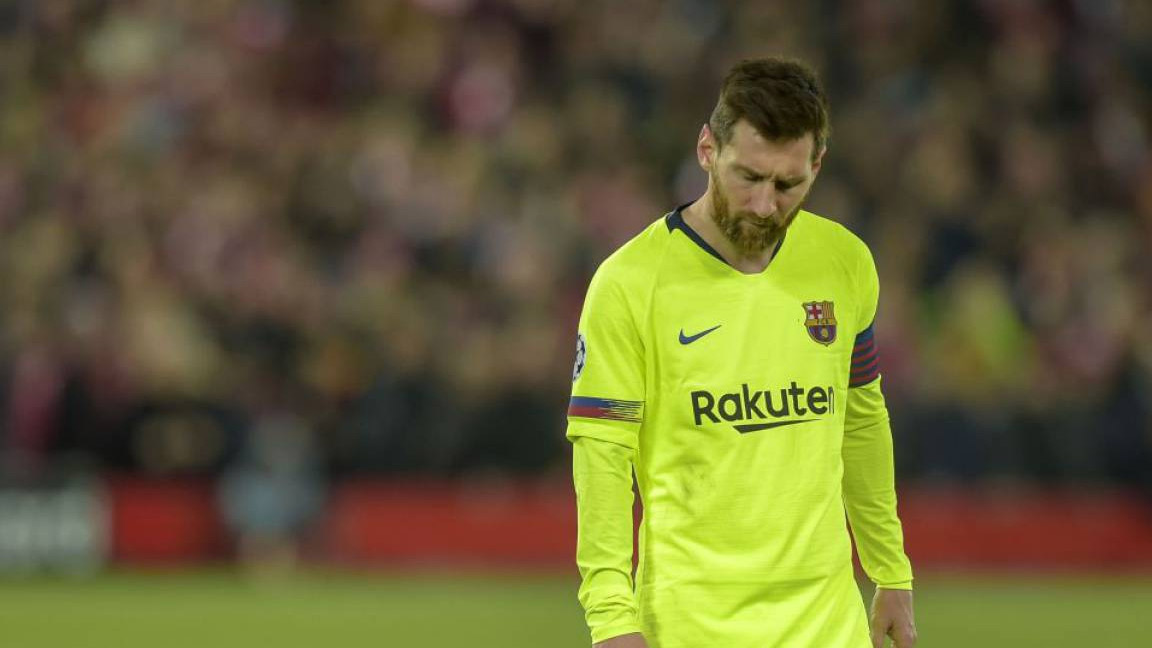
749 407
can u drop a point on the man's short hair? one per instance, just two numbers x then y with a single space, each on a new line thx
781 98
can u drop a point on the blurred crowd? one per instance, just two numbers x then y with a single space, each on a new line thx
326 239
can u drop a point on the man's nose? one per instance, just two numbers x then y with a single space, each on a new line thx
764 203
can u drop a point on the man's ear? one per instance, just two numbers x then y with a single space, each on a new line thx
706 148
819 160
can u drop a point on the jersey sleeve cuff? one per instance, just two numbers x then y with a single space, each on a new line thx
604 633
903 585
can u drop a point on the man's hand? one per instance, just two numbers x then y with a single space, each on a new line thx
892 617
634 640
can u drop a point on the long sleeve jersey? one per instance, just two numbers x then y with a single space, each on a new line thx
748 407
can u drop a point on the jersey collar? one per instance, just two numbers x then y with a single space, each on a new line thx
675 221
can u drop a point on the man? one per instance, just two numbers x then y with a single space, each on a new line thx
725 354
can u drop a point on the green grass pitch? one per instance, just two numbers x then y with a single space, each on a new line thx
220 610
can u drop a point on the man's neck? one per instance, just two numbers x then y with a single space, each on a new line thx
698 216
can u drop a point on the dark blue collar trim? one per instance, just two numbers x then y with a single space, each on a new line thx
675 221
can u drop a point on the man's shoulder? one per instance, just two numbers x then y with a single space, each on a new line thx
831 236
639 258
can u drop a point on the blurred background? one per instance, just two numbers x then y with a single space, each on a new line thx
293 286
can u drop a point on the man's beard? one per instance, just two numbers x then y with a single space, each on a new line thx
749 233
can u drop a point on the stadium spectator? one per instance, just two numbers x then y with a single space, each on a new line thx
395 208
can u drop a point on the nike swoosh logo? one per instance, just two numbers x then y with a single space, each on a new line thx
756 427
689 339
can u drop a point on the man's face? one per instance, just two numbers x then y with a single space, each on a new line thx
758 185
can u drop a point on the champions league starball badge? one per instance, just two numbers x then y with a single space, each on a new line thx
581 356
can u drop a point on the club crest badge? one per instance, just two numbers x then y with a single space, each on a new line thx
820 320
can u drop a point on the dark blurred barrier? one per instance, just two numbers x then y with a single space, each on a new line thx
500 523
1028 529
532 524
164 522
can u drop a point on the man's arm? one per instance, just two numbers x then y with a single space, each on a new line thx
605 415
602 473
870 501
869 476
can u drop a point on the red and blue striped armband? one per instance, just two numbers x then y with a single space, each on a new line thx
865 359
606 408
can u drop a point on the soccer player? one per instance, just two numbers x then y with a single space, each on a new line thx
726 356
